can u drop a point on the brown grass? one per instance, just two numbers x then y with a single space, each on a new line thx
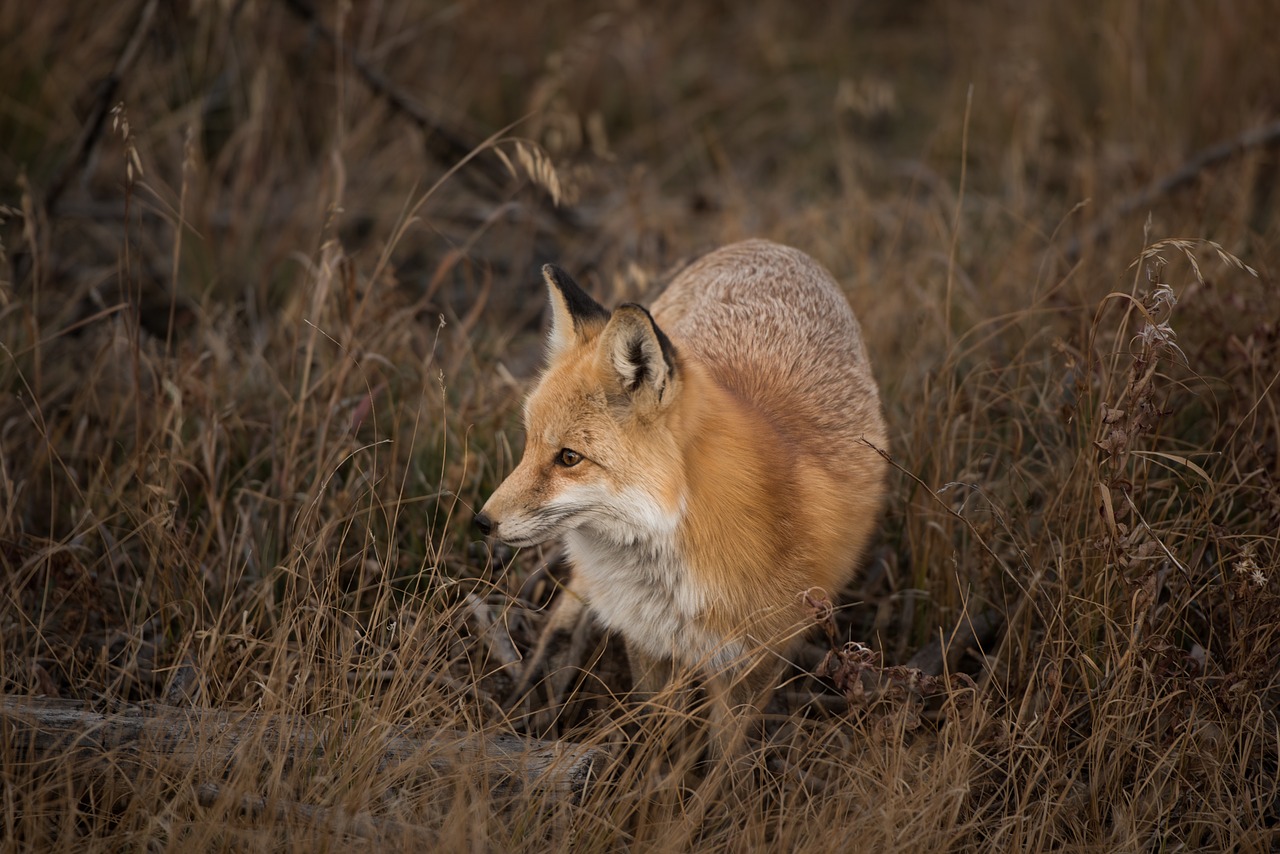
263 356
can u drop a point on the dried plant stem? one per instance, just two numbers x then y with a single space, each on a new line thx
955 222
359 825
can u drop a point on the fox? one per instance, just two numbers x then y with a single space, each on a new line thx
704 462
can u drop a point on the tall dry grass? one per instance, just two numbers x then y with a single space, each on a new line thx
263 354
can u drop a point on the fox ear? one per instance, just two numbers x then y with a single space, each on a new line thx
643 358
575 316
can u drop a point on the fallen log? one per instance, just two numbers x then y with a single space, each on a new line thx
213 741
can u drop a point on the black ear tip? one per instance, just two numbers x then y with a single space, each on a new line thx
556 276
580 304
559 277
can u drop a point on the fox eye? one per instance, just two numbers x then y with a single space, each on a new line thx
568 457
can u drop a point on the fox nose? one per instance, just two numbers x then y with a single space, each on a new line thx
484 523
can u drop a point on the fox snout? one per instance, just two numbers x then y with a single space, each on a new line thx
508 517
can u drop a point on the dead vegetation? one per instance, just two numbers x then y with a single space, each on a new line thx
269 305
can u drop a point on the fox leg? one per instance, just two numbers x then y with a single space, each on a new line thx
738 699
649 675
566 614
659 724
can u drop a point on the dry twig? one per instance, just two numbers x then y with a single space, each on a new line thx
1259 137
102 103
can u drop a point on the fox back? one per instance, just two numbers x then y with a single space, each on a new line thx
771 325
706 463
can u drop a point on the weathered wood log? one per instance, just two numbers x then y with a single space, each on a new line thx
212 741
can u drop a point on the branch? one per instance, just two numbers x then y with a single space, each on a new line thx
212 740
107 88
1259 137
445 145
442 143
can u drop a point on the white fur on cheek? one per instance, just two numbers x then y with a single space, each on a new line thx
546 521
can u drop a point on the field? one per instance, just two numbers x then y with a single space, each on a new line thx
269 305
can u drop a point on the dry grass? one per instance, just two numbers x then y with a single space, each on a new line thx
263 355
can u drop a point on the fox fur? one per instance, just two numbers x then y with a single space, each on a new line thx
705 463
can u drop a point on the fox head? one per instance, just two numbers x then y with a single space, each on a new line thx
601 450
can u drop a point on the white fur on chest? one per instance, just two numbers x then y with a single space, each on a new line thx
638 584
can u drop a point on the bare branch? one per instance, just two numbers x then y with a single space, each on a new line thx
1206 158
211 740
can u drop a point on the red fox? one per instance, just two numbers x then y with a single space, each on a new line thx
705 463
